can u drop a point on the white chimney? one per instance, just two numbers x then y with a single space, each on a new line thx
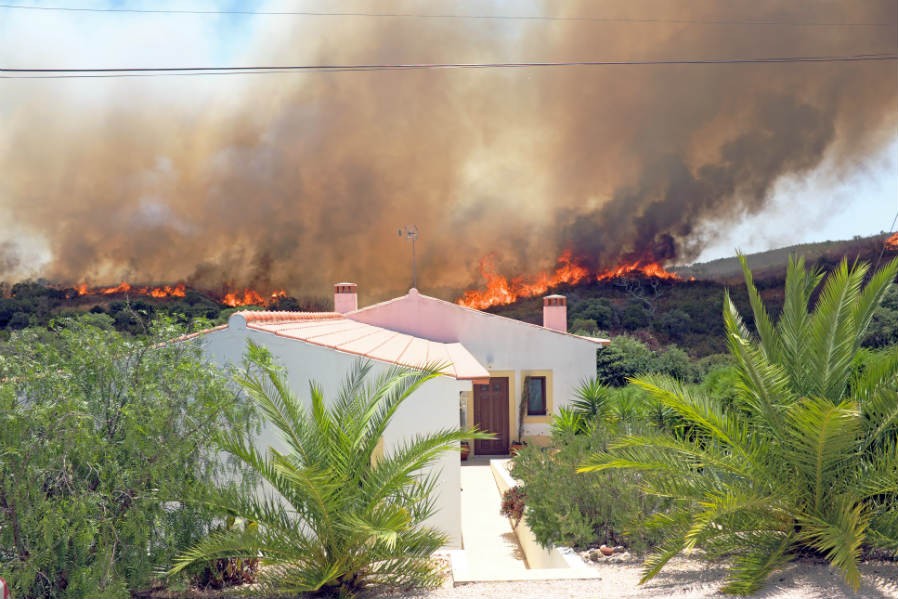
555 313
346 297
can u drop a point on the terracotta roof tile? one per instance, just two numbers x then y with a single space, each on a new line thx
276 316
332 330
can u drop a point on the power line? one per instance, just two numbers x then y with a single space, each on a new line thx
405 15
58 73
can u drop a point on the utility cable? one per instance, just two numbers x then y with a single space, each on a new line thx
458 16
55 73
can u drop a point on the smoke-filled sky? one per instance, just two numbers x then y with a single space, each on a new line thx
301 180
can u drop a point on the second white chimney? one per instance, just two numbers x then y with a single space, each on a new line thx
555 313
346 297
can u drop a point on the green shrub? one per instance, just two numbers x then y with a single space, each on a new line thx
883 330
585 326
564 508
625 357
101 436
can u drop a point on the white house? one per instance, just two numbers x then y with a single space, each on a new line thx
488 361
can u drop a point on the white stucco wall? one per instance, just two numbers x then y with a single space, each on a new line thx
432 407
500 344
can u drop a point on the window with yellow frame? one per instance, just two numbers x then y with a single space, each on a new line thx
536 395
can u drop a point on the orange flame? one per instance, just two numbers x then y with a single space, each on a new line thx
892 242
650 269
500 290
251 297
243 297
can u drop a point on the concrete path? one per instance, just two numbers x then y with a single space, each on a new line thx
491 550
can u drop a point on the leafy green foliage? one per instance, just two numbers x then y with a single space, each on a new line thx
229 572
599 311
627 357
635 316
806 459
339 519
101 437
883 330
564 508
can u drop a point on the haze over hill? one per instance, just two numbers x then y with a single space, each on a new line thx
773 262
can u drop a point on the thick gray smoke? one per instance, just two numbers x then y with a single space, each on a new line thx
302 180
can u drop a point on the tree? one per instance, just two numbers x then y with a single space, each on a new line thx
635 316
624 357
101 435
342 519
599 310
807 458
675 324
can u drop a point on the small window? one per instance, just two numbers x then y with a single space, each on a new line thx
536 395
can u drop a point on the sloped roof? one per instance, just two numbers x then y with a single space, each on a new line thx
415 296
333 330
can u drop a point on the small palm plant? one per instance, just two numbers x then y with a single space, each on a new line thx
335 516
592 399
806 461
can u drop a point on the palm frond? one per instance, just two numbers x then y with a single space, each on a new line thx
872 296
700 411
821 438
832 334
765 386
795 320
838 532
751 568
770 342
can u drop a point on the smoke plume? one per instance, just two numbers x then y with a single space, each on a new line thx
302 180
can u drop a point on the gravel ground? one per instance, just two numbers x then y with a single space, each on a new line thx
680 579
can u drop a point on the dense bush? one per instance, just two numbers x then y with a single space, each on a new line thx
883 329
598 310
101 435
627 357
565 508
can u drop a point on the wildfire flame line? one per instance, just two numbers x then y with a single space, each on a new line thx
892 242
501 290
240 297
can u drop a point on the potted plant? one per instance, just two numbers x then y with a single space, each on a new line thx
465 450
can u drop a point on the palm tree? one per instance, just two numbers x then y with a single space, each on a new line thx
336 516
807 459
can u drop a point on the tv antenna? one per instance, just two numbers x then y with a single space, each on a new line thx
411 233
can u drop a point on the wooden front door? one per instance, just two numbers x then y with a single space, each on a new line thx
491 415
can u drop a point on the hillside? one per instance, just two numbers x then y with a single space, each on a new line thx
659 311
688 313
773 262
